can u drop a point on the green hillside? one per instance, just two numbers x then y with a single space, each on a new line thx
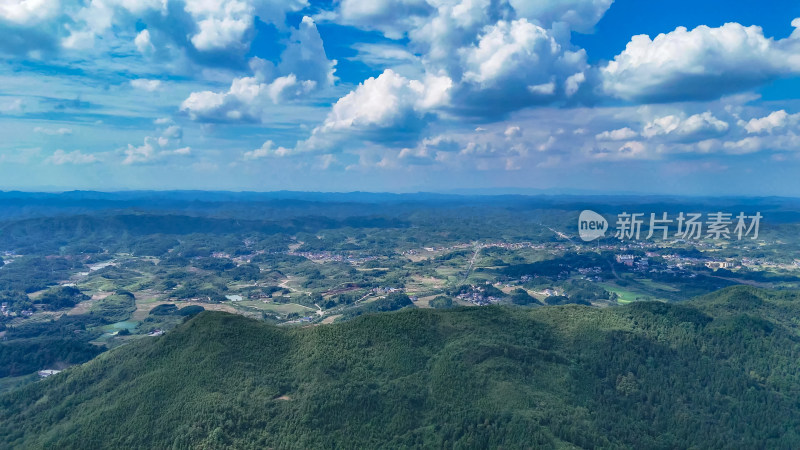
717 372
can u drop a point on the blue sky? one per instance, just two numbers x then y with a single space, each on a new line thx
697 98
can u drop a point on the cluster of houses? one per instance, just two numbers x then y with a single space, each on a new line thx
320 256
629 245
259 295
762 263
6 311
680 262
640 263
478 297
625 259
385 290
549 292
48 372
676 262
505 245
325 256
590 270
306 319
515 245
436 249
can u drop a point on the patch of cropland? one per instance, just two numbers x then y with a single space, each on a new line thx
715 372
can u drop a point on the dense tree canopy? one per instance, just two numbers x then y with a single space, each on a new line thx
717 372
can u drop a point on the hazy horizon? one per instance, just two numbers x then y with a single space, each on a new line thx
489 192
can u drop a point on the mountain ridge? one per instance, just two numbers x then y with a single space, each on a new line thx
717 371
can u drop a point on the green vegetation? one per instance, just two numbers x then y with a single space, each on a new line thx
391 302
441 302
521 297
191 310
34 273
20 358
564 300
61 297
115 308
716 372
82 273
164 309
42 345
9 383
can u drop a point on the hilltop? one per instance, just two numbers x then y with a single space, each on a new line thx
715 372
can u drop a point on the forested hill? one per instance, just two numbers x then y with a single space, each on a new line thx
715 372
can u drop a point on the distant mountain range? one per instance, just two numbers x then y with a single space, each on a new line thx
16 204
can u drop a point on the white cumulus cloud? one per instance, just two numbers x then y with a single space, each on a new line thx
387 108
225 24
28 12
515 64
621 134
703 63
146 85
140 154
303 69
266 150
694 127
220 24
143 42
60 157
385 101
775 120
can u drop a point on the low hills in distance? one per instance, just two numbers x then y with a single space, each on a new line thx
719 371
